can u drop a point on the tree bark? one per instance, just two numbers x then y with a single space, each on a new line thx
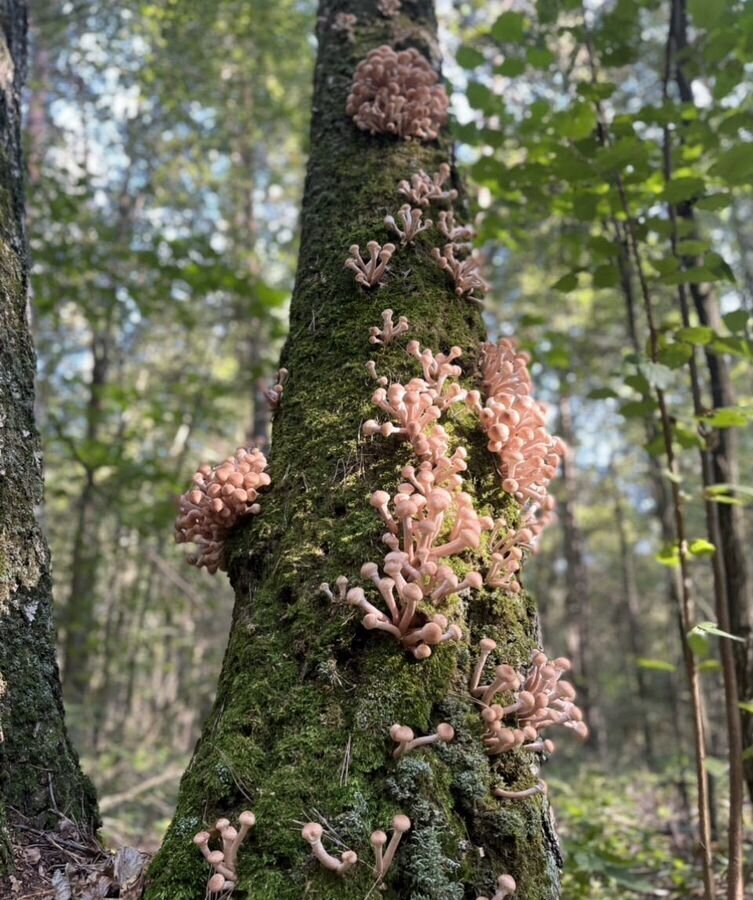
307 696
39 776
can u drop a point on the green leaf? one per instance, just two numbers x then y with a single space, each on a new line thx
540 57
714 202
511 67
705 13
567 283
605 276
602 393
729 417
684 187
711 628
638 409
692 248
675 355
577 122
669 556
509 27
697 335
734 494
699 643
626 151
737 321
656 665
469 57
709 665
735 165
657 375
746 707
701 547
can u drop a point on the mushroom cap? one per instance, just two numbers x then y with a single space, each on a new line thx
247 818
487 645
312 832
369 570
350 858
230 833
475 580
432 633
221 824
201 838
401 823
412 592
445 731
378 838
216 857
506 882
402 733
423 651
216 883
380 498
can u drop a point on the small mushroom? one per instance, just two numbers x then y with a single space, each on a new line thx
312 834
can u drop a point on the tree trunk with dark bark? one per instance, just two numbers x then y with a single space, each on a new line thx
39 775
300 726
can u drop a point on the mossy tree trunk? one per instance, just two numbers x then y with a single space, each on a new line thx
306 696
39 775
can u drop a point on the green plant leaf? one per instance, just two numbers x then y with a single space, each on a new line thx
656 665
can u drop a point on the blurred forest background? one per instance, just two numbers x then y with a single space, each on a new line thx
166 144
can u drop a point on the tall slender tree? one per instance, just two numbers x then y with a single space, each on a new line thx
300 729
39 771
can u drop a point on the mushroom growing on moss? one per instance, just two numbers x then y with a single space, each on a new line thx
413 223
463 272
399 93
219 498
370 272
407 741
506 887
384 858
224 861
312 834
424 190
387 333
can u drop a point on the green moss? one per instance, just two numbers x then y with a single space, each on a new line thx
306 696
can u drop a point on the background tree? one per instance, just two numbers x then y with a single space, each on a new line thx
40 779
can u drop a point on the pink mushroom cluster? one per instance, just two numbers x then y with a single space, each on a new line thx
345 24
274 393
224 861
389 8
425 190
515 424
412 222
460 236
219 498
464 273
399 93
508 546
370 272
389 330
540 701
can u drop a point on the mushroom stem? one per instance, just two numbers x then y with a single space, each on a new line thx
400 824
539 788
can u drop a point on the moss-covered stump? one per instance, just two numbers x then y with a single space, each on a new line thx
40 777
300 727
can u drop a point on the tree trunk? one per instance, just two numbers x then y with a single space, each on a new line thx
40 771
577 591
724 447
300 726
